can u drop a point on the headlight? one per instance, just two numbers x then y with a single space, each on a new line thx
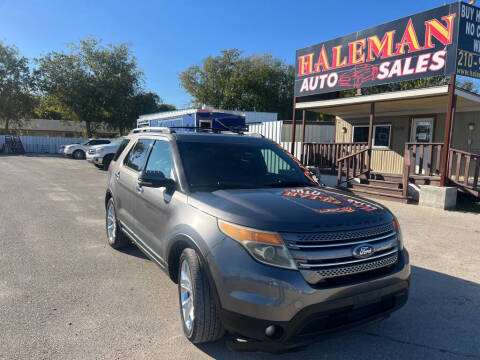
265 247
396 225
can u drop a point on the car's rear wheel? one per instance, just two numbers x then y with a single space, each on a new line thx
78 155
106 161
199 307
115 236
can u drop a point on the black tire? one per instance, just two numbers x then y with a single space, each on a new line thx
116 239
106 161
207 325
78 155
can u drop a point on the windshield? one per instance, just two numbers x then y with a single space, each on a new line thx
117 141
240 166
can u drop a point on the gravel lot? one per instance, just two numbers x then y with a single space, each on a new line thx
65 294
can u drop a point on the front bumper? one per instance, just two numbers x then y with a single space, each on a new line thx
316 321
254 296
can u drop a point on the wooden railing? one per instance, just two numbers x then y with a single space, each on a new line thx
353 165
421 160
425 158
464 169
326 155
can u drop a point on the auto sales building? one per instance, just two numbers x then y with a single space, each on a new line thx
393 136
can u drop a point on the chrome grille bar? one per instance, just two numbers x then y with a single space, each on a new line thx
323 274
343 235
293 245
314 266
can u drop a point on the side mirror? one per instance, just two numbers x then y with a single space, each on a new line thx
155 179
315 171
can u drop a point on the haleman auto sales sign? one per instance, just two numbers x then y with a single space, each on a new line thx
421 45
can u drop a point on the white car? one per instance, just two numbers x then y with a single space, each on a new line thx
102 155
79 151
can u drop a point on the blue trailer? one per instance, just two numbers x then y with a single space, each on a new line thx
195 120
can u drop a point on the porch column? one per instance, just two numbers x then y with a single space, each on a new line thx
370 136
294 125
303 135
449 118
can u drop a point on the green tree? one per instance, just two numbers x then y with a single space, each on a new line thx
91 83
16 86
468 84
235 82
143 103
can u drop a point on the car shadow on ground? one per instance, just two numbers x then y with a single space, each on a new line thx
32 155
440 321
134 251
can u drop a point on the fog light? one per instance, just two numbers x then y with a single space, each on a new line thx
270 330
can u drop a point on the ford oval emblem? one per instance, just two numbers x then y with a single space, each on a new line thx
363 251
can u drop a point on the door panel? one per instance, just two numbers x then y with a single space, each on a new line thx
422 132
127 177
126 183
155 205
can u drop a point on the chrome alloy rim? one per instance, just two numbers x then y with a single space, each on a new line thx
186 296
111 223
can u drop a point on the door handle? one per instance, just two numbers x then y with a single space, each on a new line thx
139 188
117 175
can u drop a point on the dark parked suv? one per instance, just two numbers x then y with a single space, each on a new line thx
259 250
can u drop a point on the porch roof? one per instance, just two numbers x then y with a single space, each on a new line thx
431 100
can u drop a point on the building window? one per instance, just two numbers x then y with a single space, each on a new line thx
381 135
360 134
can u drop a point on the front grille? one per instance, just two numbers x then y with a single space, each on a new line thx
345 235
355 269
328 255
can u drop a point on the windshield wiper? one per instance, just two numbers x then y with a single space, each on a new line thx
287 184
225 185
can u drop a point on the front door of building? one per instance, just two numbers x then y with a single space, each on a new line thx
422 132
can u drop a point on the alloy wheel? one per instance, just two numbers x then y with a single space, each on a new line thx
111 223
186 296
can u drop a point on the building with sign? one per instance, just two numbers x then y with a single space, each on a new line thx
392 143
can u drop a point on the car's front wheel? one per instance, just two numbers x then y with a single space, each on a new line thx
78 155
199 307
115 236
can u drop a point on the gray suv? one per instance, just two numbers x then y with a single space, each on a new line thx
258 249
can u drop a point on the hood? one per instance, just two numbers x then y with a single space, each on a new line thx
95 147
301 209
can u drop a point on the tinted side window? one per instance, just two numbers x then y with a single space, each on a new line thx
160 159
136 157
101 142
94 142
120 149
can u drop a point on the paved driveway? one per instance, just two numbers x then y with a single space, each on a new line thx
65 294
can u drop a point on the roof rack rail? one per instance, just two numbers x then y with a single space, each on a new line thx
163 130
228 130
253 134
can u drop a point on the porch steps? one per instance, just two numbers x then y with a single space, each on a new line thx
377 195
386 184
376 187
386 177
